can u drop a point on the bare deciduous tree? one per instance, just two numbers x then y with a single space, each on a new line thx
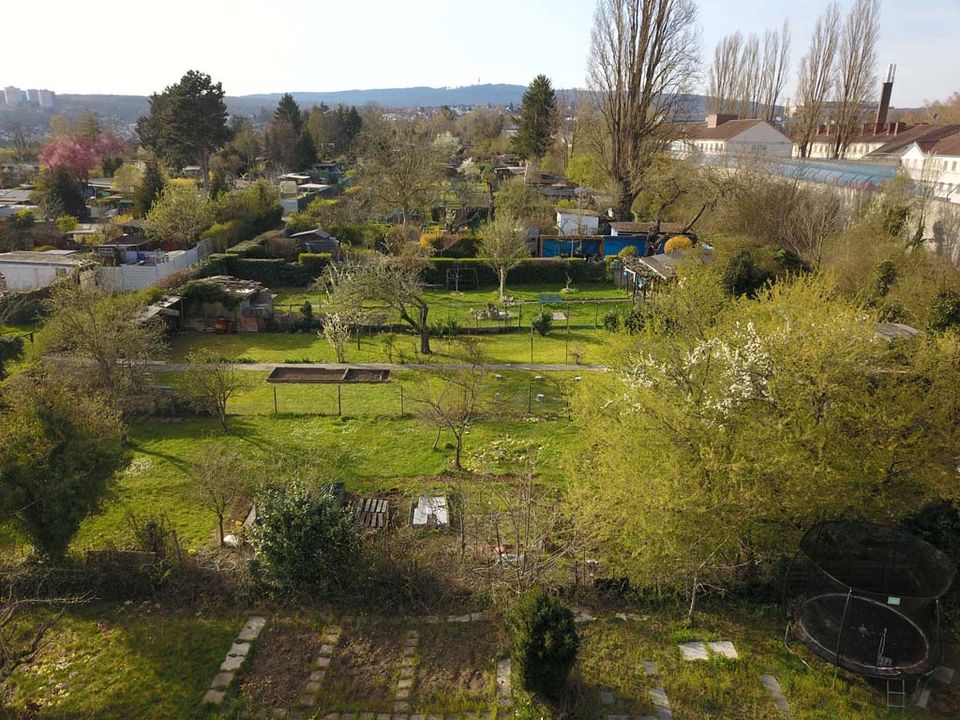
451 399
816 77
210 383
502 244
749 79
400 164
221 481
644 58
393 281
747 76
723 80
776 64
856 70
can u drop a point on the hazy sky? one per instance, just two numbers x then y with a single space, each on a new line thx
252 46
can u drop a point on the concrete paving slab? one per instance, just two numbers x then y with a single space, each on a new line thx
724 648
695 650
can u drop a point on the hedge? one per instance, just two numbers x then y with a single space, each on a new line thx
248 249
226 234
534 270
314 263
272 273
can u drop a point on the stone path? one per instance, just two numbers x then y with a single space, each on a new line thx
235 657
487 715
408 666
504 690
320 666
773 687
698 650
658 696
649 667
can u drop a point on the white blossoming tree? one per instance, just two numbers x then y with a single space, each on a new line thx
731 430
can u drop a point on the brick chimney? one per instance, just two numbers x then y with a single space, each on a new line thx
716 119
883 107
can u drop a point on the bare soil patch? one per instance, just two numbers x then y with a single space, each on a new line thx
280 663
457 667
365 668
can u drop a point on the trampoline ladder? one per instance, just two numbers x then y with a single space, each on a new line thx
896 694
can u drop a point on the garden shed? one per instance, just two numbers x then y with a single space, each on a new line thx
225 304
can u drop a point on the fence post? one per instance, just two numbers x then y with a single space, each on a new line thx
530 399
339 401
275 410
401 400
531 344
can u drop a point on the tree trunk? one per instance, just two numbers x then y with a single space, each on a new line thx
503 284
424 330
222 416
220 521
693 599
623 207
457 452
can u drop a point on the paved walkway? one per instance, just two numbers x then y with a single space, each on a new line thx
164 366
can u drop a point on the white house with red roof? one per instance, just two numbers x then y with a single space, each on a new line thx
936 164
726 135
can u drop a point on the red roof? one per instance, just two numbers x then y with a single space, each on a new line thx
949 145
724 131
926 136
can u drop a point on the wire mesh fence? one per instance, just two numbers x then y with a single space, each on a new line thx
499 394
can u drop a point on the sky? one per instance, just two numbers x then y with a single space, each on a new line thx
257 46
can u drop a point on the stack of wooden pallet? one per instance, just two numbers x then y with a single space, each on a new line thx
372 513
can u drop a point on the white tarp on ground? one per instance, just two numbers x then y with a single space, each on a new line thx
431 511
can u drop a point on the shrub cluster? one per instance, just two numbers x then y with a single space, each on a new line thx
544 642
272 273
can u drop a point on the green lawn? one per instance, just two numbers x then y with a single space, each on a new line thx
368 452
126 661
612 652
583 305
145 661
557 347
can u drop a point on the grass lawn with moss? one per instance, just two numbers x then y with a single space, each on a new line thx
585 304
558 347
612 651
125 661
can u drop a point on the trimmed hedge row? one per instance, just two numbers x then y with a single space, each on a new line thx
279 273
534 270
314 263
272 273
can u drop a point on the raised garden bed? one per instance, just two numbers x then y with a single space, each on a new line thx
327 376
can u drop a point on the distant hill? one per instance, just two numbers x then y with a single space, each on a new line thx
499 94
122 111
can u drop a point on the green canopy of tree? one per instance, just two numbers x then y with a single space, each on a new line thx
187 122
59 450
180 215
733 425
58 192
289 110
97 328
538 119
150 187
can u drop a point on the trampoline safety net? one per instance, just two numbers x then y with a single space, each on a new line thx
867 597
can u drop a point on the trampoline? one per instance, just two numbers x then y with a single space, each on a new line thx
867 598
